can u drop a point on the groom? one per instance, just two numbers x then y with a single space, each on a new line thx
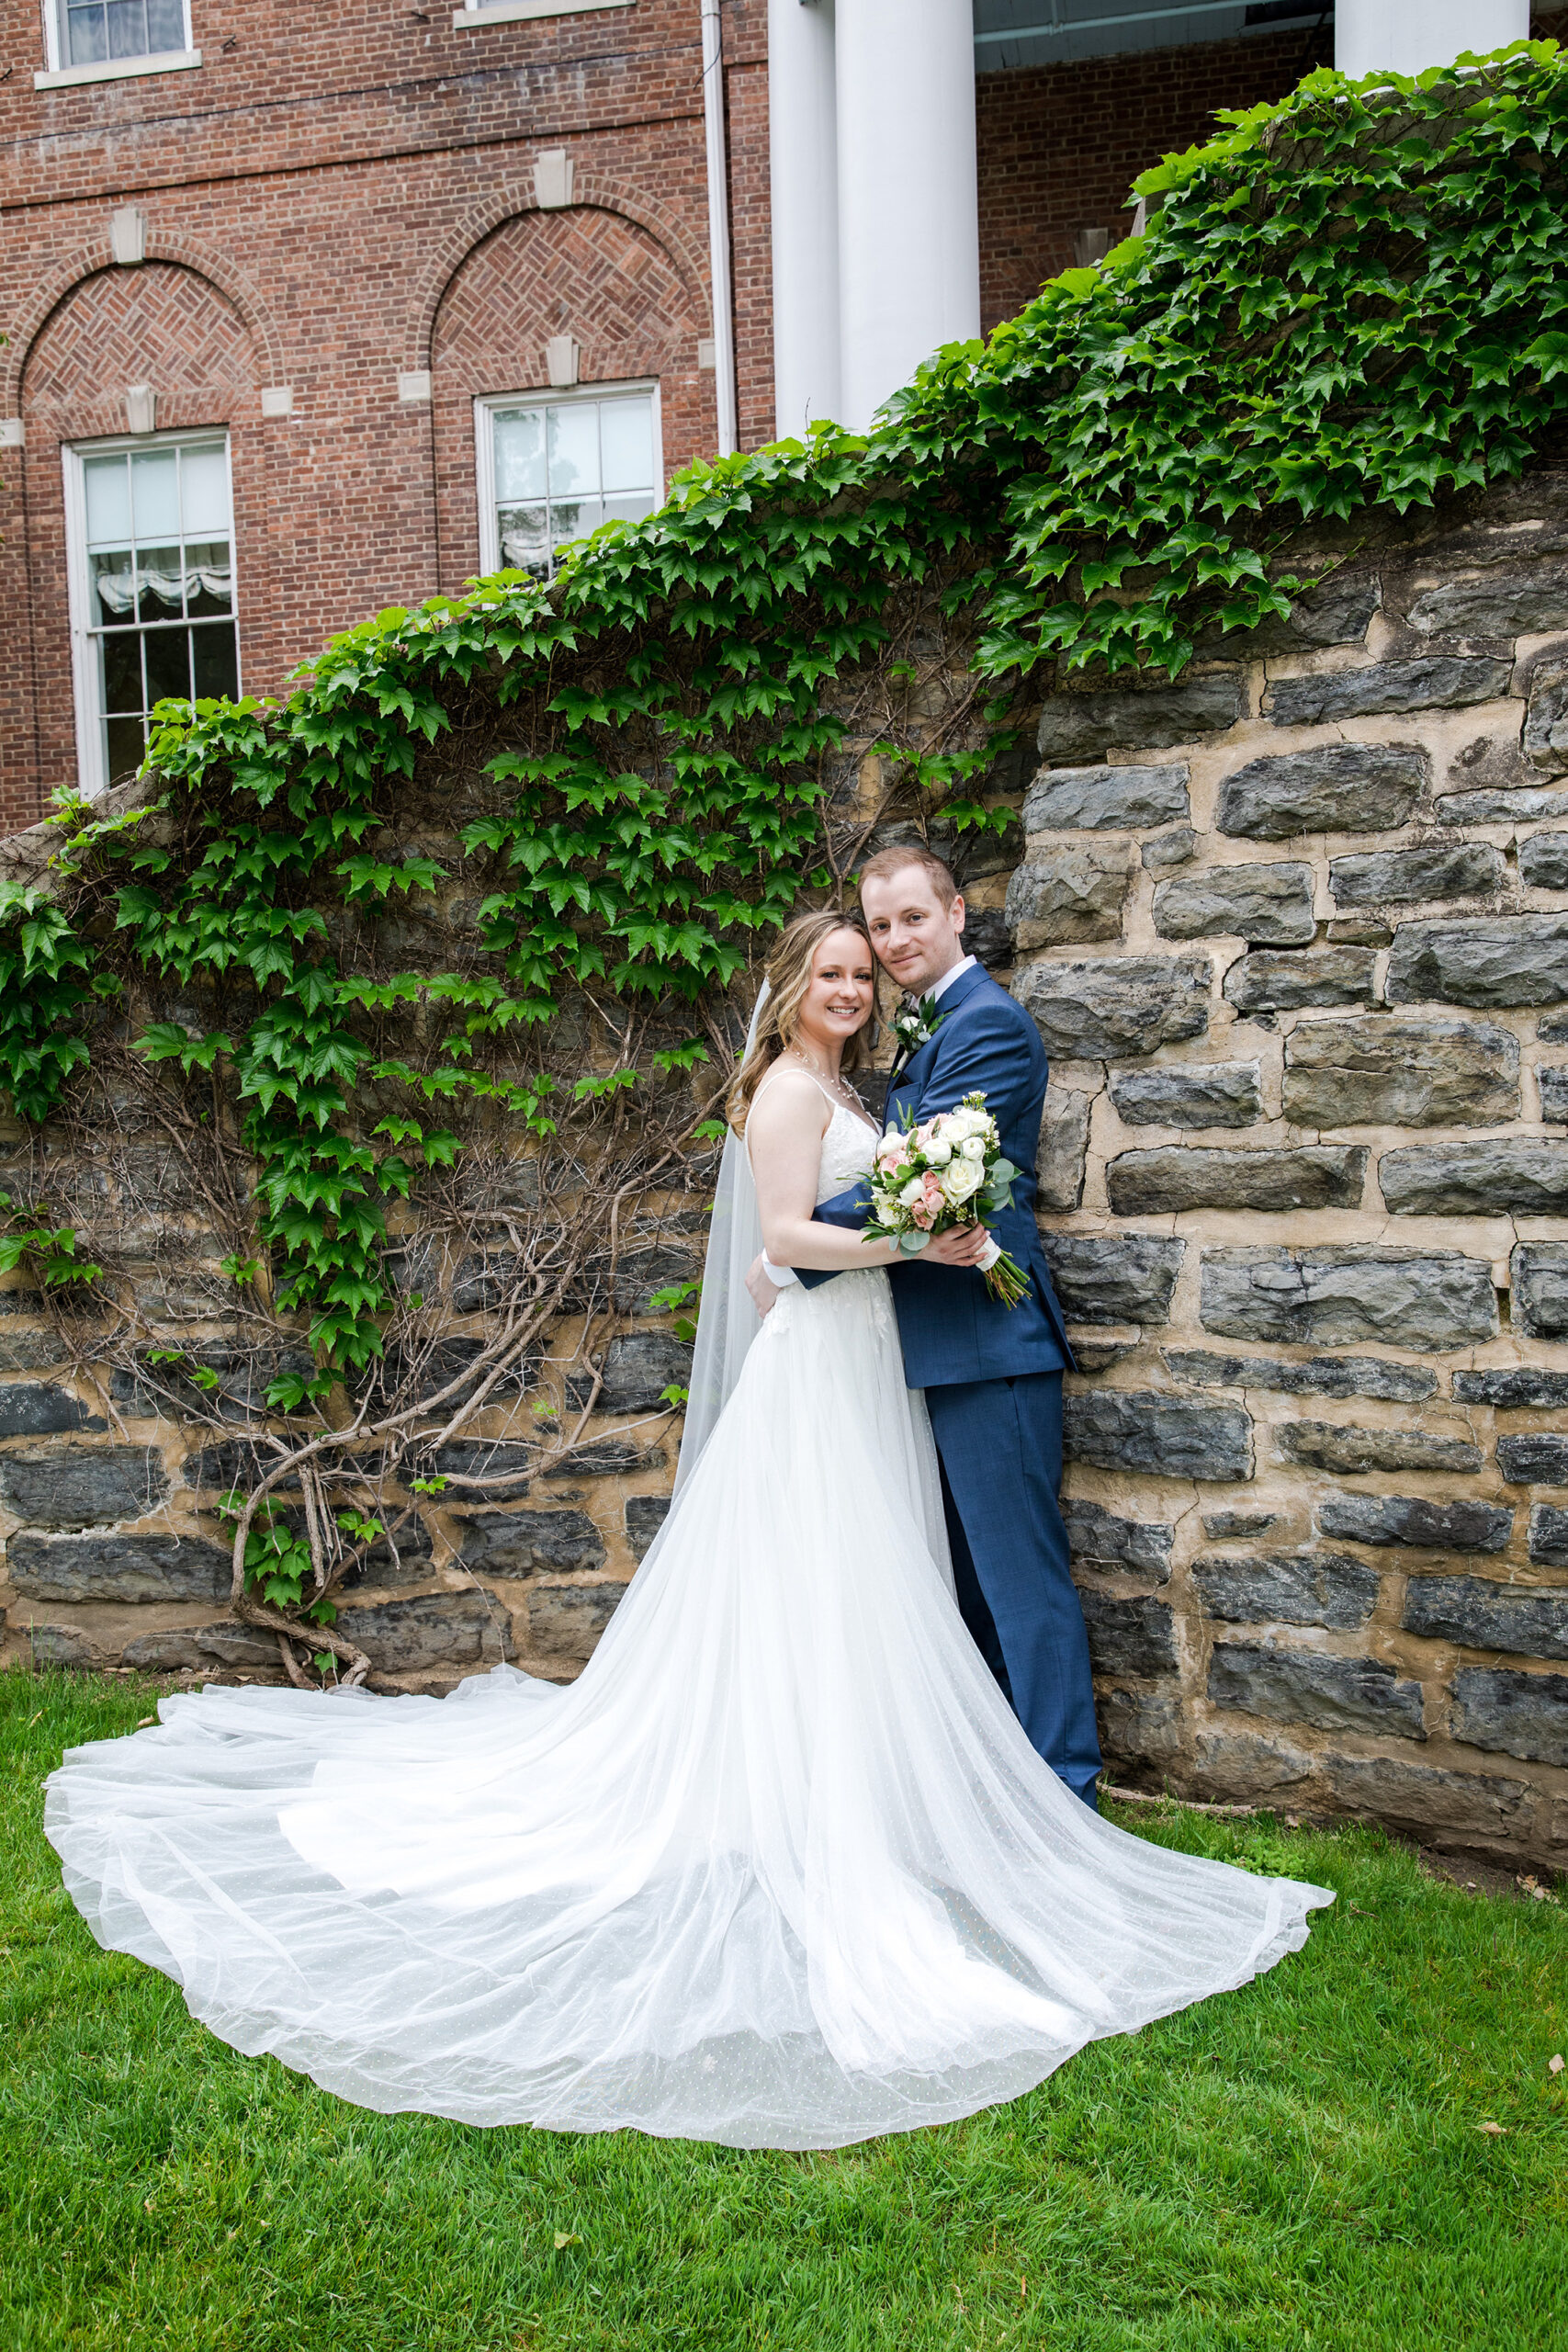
992 1375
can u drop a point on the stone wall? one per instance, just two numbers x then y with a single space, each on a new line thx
1295 933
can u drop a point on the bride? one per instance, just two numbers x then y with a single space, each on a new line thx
781 1869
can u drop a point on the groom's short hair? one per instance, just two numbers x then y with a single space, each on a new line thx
898 860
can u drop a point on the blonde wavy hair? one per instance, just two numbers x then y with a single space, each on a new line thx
788 973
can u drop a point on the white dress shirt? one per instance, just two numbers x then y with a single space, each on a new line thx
782 1277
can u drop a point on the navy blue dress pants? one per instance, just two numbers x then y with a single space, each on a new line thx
1001 1446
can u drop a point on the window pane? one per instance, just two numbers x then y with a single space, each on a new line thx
88 42
524 542
520 454
158 573
204 494
574 449
210 584
165 26
126 741
155 497
629 510
215 661
168 664
626 433
573 520
119 671
113 590
107 484
128 27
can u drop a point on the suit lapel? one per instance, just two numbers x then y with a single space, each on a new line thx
962 988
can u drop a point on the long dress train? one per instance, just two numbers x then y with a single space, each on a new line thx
780 1870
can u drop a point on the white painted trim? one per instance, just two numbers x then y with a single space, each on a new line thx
547 396
83 673
514 12
118 69
716 142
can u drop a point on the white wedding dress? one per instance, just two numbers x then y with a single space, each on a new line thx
780 1870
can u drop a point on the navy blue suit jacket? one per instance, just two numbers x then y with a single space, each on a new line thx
951 1327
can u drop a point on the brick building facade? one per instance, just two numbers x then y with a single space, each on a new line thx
315 243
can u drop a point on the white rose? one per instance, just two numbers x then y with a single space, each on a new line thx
974 1148
913 1191
961 1180
939 1151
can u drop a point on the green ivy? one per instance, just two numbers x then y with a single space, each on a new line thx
1347 301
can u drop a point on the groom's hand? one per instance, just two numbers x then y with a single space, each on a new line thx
960 1245
764 1294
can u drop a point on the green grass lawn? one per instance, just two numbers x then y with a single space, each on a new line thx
1301 2163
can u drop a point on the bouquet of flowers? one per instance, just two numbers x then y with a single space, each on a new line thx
945 1172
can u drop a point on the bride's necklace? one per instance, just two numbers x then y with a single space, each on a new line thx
847 1093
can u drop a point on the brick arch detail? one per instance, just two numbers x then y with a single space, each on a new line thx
93 260
591 191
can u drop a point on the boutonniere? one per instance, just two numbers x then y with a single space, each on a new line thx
915 1024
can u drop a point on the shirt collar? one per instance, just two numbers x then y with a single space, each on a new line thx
939 987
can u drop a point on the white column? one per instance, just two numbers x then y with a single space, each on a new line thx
908 223
1407 36
803 176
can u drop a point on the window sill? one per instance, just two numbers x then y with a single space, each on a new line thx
118 69
511 12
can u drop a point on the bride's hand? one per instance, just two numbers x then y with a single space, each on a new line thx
962 1245
764 1294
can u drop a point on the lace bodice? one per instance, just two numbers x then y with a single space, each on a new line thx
848 1150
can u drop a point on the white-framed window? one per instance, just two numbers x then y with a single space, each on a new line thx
151 580
110 33
553 465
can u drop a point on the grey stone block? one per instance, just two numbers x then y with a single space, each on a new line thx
1108 1009
232 1462
1521 1388
608 1458
438 1629
1085 727
1269 906
1510 1713
1502 805
1480 1615
1098 1355
1305 1687
1168 1437
1106 799
1236 1526
30 1351
1349 1452
1539 1274
1461 1525
1138 1727
163 1391
1267 981
63 1645
1552 1029
1189 1094
1538 1458
39 1409
1140 1545
1546 718
1287 1588
1439 681
1503 963
1548 1536
1156 1183
1170 850
1323 1376
119 1567
1336 611
1113 1277
1465 1806
987 937
1379 877
1386 1072
524 1543
480 1457
1512 1174
82 1485
1342 1292
1543 860
183 1649
1071 893
1128 1636
1498 604
1241 1764
565 1621
645 1514
1343 788
1063 1150
638 1368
